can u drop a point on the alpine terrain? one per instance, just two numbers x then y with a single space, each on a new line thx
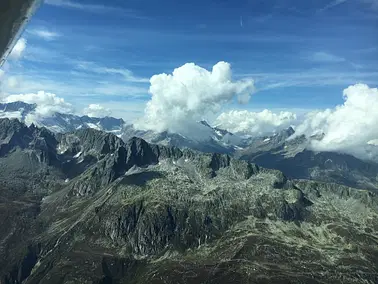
88 207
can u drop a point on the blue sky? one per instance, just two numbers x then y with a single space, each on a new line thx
301 54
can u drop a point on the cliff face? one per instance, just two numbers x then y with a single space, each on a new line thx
95 209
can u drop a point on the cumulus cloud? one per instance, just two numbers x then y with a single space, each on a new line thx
47 103
191 92
95 110
350 128
255 123
18 49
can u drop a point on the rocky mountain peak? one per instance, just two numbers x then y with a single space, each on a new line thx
17 106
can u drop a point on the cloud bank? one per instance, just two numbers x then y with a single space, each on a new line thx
255 123
96 110
350 128
182 98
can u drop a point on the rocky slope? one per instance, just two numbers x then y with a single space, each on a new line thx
86 207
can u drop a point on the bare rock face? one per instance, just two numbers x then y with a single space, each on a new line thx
86 207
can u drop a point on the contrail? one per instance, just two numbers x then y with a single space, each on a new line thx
241 21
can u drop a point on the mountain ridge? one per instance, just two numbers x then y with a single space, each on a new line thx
136 212
280 151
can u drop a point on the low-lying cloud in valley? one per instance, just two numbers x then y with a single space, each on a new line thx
349 128
255 123
182 98
96 110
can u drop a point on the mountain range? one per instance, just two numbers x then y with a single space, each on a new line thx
293 157
59 122
89 207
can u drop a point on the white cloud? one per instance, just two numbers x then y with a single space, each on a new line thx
12 82
68 85
96 110
182 98
349 128
314 77
94 8
3 75
332 4
18 49
47 103
126 74
44 33
326 57
75 5
255 123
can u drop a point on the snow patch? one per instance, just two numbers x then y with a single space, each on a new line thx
218 132
61 149
56 128
94 126
11 114
77 155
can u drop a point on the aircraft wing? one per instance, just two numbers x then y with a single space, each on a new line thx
14 16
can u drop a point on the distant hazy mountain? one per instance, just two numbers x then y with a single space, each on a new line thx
88 207
59 122
214 140
293 158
